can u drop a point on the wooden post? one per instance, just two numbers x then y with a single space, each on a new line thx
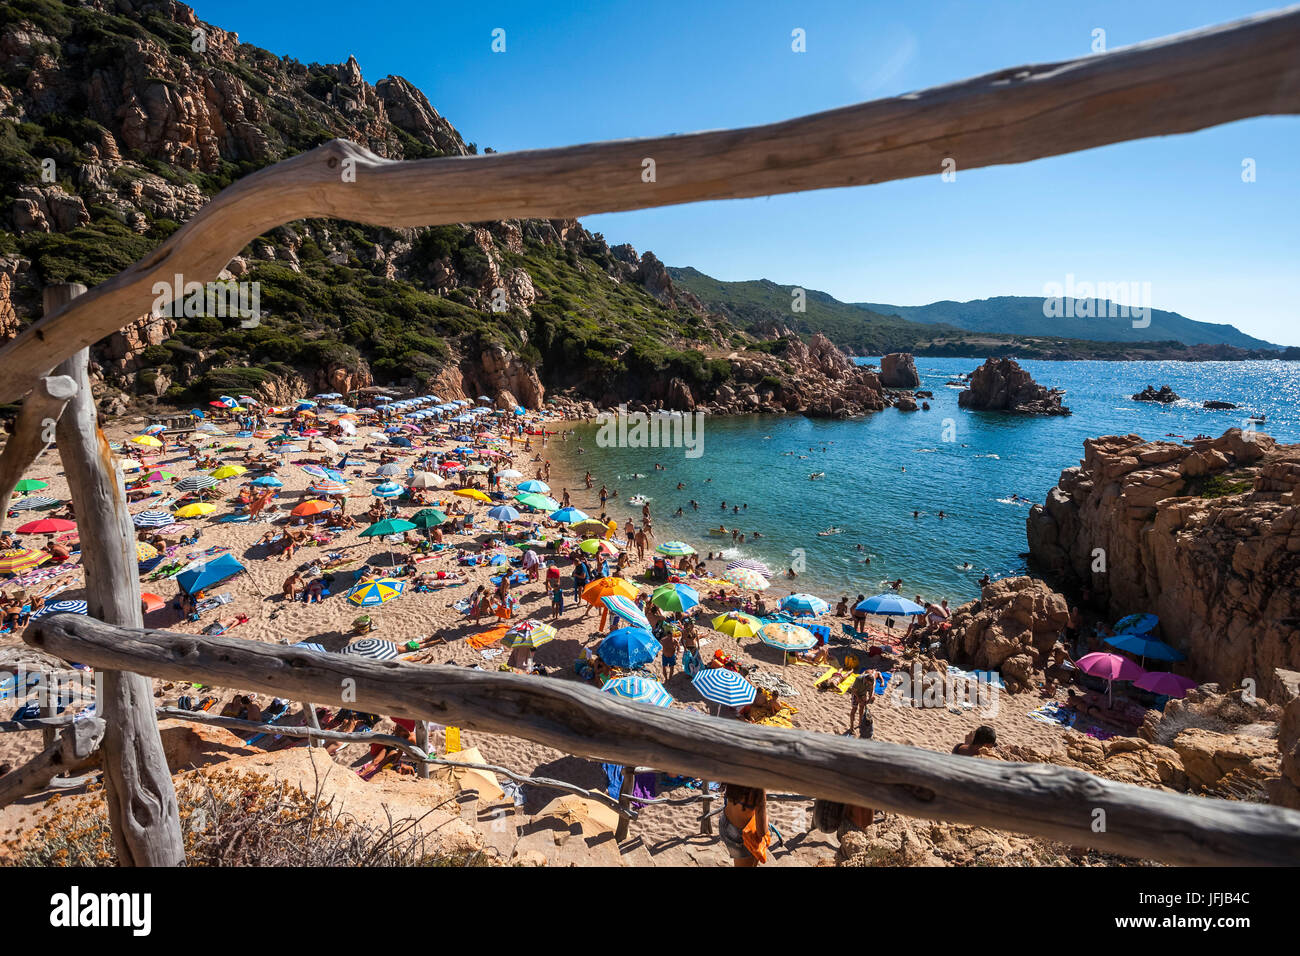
624 802
33 432
422 741
706 815
138 787
309 712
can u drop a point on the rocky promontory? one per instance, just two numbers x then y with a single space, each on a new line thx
1206 536
898 370
1165 395
1001 385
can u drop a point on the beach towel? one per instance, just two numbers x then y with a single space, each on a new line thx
844 685
215 601
883 681
452 740
489 637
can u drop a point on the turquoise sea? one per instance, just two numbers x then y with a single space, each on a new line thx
880 469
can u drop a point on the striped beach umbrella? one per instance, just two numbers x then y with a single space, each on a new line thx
746 578
724 687
569 515
373 648
387 489
750 564
328 486
152 519
626 609
529 634
675 597
63 607
534 486
376 592
196 483
785 636
629 647
540 502
674 549
310 646
17 560
737 624
804 605
640 689
33 503
387 471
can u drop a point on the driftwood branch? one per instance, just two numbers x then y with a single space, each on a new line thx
76 748
33 432
142 806
1039 799
1174 85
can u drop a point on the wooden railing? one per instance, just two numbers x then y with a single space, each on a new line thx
1174 85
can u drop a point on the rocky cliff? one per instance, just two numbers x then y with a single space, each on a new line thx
1206 536
898 370
1001 385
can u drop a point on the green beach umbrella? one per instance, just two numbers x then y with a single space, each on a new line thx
675 549
427 518
31 484
541 502
386 527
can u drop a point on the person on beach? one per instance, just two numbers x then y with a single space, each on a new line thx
862 693
744 827
668 638
978 742
293 586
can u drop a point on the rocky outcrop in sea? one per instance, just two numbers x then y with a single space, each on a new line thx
1164 395
1001 385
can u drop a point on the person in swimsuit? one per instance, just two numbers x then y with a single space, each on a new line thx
744 828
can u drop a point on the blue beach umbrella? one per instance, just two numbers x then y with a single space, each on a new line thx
152 519
207 573
804 604
724 687
268 481
389 489
63 607
310 646
533 484
889 604
626 609
503 513
1146 647
629 647
640 689
1137 624
565 515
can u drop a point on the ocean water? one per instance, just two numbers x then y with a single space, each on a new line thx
972 466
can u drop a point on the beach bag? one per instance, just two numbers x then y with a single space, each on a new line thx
827 815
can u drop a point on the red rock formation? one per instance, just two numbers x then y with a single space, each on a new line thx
1002 385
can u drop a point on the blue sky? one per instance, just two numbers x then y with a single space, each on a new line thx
1173 212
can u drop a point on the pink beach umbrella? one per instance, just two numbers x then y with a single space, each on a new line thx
1110 666
1163 682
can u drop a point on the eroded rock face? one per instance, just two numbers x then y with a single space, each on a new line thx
898 370
1207 537
1002 385
1011 628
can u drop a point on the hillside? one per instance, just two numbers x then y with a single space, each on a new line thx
1023 315
114 130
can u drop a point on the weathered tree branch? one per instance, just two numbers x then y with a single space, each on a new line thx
33 432
76 748
1173 85
1040 799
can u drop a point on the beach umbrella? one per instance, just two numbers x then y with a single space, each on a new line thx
159 475
889 604
229 471
147 440
471 493
1137 624
503 513
749 564
427 518
373 648
400 441
268 481
541 502
312 507
328 486
388 489
145 551
386 527
674 549
194 511
629 647
597 545
376 592
63 607
603 587
534 486
786 637
328 444
1163 682
17 560
46 526
426 479
724 687
626 609
387 471
747 578
509 473
737 624
151 602
152 519
640 689
675 597
210 572
590 525
196 483
285 447
451 466
1145 646
804 605
198 413
1110 666
309 646
316 471
568 516
529 634
30 484
33 503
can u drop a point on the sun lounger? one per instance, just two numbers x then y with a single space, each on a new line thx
271 715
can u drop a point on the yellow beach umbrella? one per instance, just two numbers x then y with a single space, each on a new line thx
148 440
229 471
194 511
737 624
145 552
17 560
471 493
